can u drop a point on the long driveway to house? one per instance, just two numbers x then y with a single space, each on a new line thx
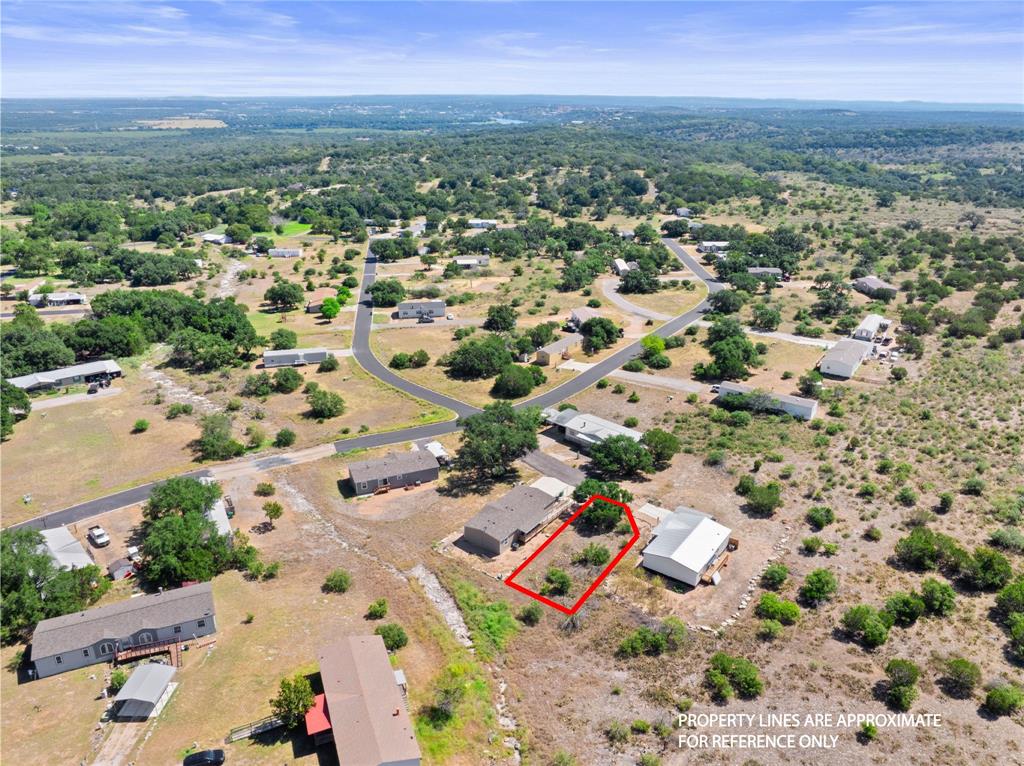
363 354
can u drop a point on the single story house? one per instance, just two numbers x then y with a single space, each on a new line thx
627 233
517 516
712 246
558 349
294 357
582 314
685 545
797 406
285 252
65 550
96 635
584 429
141 696
470 262
872 286
765 271
416 309
843 359
59 298
620 267
870 326
121 569
363 709
217 239
396 469
482 223
105 369
684 212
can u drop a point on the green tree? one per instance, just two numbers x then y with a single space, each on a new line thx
662 445
181 547
294 699
476 358
330 308
962 676
819 586
282 338
938 597
494 438
621 456
765 317
181 495
14 406
287 380
325 404
394 636
513 382
284 295
215 441
387 292
1005 699
273 511
501 318
598 333
903 677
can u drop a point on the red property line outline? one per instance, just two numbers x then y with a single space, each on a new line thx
509 581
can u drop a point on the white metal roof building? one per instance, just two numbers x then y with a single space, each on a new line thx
285 252
870 326
796 406
139 697
712 246
65 550
66 376
843 359
482 223
684 545
587 430
293 357
414 309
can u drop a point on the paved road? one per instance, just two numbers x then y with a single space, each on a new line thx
370 363
80 311
363 354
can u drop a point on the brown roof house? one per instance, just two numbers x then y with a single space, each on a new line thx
96 635
517 516
363 708
396 469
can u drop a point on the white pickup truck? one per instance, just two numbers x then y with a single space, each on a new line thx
98 536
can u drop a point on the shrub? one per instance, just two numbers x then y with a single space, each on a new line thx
1004 700
634 365
530 614
118 678
873 533
400 361
141 426
812 544
774 576
643 641
987 569
906 496
630 422
769 630
961 677
939 598
177 409
945 502
265 489
337 581
325 404
742 675
330 364
1008 538
974 486
284 438
868 732
378 610
903 677
771 607
819 586
617 732
820 516
904 608
394 636
1011 598
556 582
287 380
594 555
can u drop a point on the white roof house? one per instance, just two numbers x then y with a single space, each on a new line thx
472 261
765 271
285 252
870 327
482 223
620 266
293 357
217 239
796 406
65 550
843 359
414 309
587 430
685 544
56 298
712 246
66 376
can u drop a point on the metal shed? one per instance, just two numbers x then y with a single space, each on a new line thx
140 696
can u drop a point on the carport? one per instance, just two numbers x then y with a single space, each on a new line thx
139 698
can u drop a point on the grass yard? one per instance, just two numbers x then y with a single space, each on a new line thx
69 454
671 300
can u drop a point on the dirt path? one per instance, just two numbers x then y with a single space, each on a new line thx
229 279
118 746
176 392
60 401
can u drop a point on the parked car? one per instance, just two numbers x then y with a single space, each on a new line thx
715 389
451 316
93 388
98 536
424 319
204 758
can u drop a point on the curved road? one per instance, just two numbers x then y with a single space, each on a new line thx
363 354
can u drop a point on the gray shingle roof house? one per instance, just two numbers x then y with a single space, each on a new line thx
414 309
396 469
139 697
796 406
95 635
843 359
365 705
765 271
582 314
68 376
482 223
870 285
294 357
516 516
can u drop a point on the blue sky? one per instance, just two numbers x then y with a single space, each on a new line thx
946 51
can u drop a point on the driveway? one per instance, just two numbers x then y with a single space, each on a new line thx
552 466
61 401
